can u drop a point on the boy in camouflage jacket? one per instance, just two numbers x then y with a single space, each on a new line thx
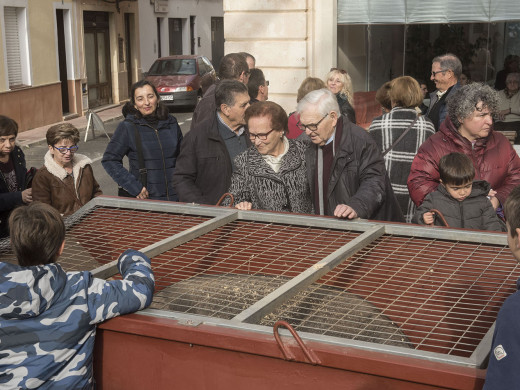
48 317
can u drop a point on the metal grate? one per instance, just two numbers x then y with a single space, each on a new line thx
444 295
103 233
223 272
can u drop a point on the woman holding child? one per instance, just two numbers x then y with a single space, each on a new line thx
468 129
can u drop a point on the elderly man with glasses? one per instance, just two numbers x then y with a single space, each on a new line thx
345 169
446 71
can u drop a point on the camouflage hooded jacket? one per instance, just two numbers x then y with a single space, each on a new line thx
48 319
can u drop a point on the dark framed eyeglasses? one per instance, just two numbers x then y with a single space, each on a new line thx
439 71
342 71
64 150
261 137
311 126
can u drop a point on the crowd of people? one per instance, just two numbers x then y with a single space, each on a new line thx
441 163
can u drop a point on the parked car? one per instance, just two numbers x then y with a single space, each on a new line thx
181 80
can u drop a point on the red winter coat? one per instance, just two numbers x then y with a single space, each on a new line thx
494 159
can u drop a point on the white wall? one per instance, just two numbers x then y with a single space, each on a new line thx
203 10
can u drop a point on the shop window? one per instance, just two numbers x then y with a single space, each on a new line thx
376 53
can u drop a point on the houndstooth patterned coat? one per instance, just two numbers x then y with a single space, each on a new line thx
288 190
398 161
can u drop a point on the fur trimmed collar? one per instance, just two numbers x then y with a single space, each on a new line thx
78 162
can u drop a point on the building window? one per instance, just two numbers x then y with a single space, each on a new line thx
16 45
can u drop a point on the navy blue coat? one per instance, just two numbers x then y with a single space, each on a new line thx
161 147
9 200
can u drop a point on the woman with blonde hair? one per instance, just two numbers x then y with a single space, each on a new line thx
399 133
339 83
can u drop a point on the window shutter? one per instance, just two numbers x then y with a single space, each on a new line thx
12 40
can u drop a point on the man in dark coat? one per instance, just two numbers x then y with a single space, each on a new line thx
232 67
446 70
205 163
345 168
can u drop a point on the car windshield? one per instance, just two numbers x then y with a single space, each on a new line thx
172 67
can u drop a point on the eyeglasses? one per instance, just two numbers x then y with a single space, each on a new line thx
261 137
342 71
439 71
266 83
64 150
311 126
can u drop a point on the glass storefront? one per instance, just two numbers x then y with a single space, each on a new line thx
376 53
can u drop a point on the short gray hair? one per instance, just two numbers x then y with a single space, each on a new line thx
451 62
322 99
463 102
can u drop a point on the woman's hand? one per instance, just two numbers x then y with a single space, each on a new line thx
428 218
143 194
344 211
27 195
244 206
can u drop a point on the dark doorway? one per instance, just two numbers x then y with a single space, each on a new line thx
128 51
217 41
62 61
159 55
192 34
175 34
97 55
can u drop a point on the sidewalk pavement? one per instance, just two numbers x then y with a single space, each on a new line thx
37 136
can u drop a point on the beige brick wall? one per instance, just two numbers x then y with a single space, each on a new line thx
290 40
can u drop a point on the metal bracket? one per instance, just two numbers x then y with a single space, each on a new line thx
311 356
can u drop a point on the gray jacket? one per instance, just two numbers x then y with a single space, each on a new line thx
474 212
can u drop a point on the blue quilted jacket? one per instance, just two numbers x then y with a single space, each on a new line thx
161 146
48 320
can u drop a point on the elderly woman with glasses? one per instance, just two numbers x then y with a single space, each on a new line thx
271 174
66 180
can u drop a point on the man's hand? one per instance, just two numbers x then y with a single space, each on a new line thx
344 211
244 206
143 194
428 218
27 195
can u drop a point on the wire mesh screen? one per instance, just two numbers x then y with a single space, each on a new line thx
103 233
442 295
223 272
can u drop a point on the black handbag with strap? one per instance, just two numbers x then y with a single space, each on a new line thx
142 169
401 136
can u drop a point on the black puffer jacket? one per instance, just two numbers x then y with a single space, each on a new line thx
161 146
474 212
9 200
358 177
288 190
